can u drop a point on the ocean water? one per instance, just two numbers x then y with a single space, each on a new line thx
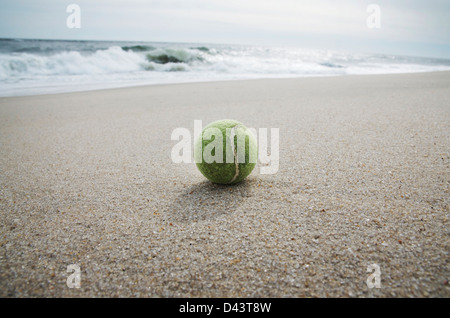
30 67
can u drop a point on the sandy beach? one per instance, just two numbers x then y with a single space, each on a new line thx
87 179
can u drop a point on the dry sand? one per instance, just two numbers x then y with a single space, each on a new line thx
87 179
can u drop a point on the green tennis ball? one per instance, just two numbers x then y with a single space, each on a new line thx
226 152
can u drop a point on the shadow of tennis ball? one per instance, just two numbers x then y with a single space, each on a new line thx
207 200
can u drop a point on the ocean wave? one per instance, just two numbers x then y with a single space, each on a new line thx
112 60
45 62
175 55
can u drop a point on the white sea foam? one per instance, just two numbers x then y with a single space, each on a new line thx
26 65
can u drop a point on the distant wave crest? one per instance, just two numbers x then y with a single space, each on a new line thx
137 48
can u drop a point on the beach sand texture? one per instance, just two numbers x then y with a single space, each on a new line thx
87 179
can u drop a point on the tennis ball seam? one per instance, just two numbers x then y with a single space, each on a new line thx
233 147
235 153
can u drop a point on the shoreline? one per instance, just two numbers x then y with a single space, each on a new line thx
215 81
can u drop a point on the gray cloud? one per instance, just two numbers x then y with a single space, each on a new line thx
408 27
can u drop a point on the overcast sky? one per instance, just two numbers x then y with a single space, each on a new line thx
414 27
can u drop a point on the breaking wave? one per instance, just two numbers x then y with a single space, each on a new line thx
24 64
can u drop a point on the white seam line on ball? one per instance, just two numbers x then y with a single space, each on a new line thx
236 160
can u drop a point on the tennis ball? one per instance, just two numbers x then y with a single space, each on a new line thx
226 152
